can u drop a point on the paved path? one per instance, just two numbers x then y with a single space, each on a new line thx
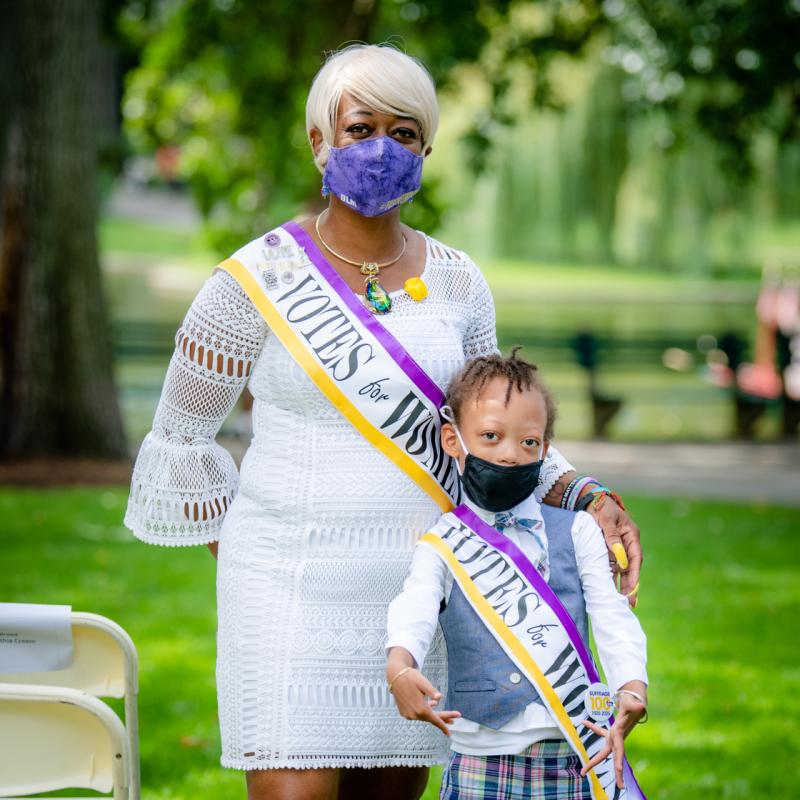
744 473
159 206
724 471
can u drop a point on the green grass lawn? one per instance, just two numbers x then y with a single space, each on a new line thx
720 604
123 235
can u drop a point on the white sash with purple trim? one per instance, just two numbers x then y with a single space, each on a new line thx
534 629
354 361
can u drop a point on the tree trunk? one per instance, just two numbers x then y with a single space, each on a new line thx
57 394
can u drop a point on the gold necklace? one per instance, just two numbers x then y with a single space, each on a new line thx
377 299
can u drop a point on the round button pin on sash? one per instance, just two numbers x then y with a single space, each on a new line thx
598 702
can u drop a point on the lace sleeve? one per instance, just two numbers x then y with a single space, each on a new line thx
183 481
481 335
555 465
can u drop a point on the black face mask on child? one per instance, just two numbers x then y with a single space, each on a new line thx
494 487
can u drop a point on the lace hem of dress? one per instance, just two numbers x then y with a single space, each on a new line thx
334 762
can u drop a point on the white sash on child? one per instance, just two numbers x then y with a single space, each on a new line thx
534 629
354 361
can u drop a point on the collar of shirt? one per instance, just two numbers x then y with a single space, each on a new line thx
532 543
529 508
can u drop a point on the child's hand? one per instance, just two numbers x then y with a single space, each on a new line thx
629 712
416 698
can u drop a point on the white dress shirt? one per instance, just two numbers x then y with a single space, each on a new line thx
414 614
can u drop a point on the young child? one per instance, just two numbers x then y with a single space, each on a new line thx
511 583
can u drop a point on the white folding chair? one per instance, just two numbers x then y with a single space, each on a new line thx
52 737
104 664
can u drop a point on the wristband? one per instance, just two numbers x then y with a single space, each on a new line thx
579 487
593 495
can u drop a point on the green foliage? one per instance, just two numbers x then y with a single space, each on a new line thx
731 66
720 592
606 179
226 82
738 61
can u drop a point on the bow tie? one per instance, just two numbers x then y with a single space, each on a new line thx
505 519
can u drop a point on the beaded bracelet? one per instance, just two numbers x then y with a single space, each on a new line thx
574 489
565 498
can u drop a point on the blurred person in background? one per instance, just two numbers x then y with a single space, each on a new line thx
345 328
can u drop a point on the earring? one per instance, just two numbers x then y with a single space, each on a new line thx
325 190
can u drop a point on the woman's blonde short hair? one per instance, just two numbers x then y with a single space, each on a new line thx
380 76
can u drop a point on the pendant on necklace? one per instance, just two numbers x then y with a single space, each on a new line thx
370 269
378 300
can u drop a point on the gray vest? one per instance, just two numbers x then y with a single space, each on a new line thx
483 683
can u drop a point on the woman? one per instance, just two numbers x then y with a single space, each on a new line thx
316 539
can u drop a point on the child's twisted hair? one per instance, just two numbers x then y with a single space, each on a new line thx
521 375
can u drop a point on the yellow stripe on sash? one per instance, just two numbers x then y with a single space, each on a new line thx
328 386
495 621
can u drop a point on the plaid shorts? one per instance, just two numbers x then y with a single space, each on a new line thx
547 770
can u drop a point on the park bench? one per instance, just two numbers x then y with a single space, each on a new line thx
751 404
135 339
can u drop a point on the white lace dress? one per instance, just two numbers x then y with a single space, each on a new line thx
315 538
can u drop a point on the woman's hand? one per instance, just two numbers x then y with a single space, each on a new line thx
618 529
628 713
622 538
415 696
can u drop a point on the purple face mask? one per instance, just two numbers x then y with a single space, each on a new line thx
373 176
